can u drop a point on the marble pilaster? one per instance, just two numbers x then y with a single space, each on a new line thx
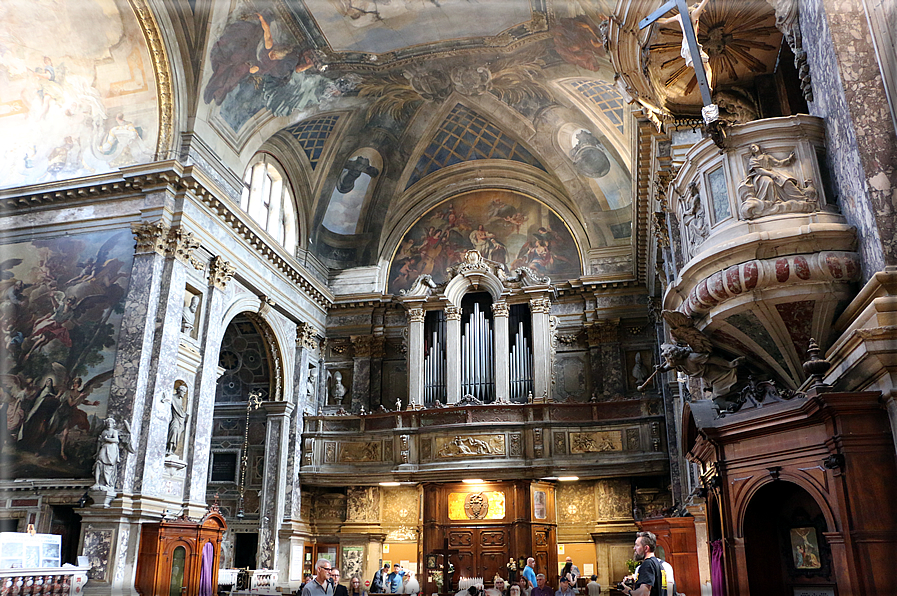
608 332
453 354
501 315
217 296
540 309
416 356
597 370
273 496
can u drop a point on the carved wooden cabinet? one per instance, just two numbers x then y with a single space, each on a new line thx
171 555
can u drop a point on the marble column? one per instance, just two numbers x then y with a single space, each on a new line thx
416 356
274 481
501 313
540 309
361 372
218 292
452 354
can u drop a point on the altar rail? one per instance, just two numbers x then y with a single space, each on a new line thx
43 581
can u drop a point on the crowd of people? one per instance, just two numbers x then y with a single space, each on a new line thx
652 577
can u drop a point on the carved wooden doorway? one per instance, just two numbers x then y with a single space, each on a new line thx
489 524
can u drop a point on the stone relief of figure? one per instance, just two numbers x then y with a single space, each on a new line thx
178 421
694 219
337 390
767 189
105 468
188 317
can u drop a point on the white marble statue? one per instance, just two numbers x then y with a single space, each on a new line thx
105 468
178 420
188 317
337 390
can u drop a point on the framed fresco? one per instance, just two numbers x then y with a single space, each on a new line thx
61 307
505 227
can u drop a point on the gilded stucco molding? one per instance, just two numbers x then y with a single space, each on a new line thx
162 72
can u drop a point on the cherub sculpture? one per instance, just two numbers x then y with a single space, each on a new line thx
693 354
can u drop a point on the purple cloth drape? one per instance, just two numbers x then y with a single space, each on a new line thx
717 577
205 576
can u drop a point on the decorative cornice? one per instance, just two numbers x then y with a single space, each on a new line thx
220 272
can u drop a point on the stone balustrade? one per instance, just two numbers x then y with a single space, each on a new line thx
511 440
44 581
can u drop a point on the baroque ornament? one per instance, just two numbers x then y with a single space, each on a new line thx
769 190
220 272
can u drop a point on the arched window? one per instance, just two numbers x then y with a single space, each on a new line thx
267 199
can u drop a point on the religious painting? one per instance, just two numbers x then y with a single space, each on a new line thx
79 93
505 227
805 548
540 505
258 63
60 312
377 26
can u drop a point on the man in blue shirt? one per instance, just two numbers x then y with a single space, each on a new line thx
529 572
394 579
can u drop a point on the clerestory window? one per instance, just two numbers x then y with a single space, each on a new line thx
267 199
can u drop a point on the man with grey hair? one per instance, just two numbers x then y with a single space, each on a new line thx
319 584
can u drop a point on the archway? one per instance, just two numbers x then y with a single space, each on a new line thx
784 542
237 453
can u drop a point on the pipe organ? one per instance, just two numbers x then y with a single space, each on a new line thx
477 361
481 333
434 358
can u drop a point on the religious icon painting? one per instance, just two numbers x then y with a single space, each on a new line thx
805 548
431 562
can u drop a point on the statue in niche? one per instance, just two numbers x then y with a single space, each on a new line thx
310 385
693 354
188 316
639 371
694 219
337 390
178 421
105 468
768 190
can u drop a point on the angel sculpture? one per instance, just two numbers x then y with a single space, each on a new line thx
105 469
693 355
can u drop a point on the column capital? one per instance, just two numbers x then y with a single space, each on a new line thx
416 315
305 336
452 313
151 237
501 309
220 272
181 245
540 305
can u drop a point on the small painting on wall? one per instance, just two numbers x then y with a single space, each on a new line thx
805 548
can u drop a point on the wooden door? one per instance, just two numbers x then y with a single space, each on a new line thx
484 551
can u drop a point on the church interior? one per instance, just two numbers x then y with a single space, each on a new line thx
447 282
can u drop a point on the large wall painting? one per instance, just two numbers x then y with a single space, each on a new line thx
504 226
61 305
77 90
258 63
377 26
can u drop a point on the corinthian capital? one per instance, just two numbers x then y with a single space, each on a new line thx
220 272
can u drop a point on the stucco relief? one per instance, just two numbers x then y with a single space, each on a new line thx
400 506
614 499
360 451
575 503
470 446
363 504
769 187
596 442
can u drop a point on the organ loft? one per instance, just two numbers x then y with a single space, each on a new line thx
447 285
